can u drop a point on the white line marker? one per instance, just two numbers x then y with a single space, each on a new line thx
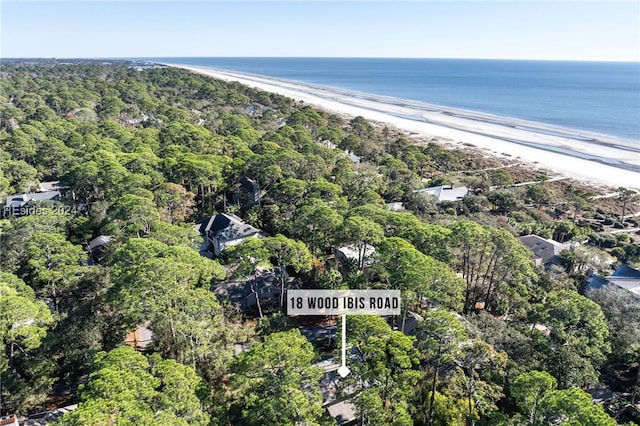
344 371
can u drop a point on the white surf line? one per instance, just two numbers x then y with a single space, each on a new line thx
497 140
344 371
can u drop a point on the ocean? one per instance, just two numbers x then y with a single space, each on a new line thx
596 97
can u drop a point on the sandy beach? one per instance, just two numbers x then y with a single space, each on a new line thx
598 159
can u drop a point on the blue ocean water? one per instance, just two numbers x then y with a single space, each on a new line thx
598 97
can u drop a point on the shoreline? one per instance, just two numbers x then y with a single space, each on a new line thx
584 156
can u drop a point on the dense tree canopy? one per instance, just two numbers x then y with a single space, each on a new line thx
143 152
129 388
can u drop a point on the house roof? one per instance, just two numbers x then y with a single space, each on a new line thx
343 412
52 185
140 338
19 200
225 226
626 271
235 291
249 184
543 249
352 157
99 242
445 193
595 282
351 251
625 277
396 206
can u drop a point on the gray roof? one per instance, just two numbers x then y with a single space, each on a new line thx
626 271
445 193
595 282
343 411
52 185
20 200
625 277
238 291
353 157
227 227
546 250
99 242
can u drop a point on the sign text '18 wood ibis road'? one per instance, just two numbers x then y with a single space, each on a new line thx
341 302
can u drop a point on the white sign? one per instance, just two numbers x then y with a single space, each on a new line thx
341 302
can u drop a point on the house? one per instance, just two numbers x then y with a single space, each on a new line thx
225 230
94 249
139 338
327 144
353 158
445 193
336 398
396 206
17 205
248 190
625 277
343 412
52 185
245 293
351 253
48 417
545 252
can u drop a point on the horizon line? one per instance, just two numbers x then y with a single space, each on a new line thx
317 57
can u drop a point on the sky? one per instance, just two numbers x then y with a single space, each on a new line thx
540 30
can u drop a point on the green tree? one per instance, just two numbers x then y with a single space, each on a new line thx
479 368
277 252
24 323
315 223
362 232
274 382
572 407
175 202
287 253
501 178
503 200
528 389
420 277
134 214
622 312
439 337
168 288
54 266
578 340
448 411
389 368
496 267
290 191
127 388
197 138
539 194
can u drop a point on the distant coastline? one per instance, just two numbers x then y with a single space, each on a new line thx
597 97
599 159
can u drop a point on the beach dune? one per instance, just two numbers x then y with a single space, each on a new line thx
597 159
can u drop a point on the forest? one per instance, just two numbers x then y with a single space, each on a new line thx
142 153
